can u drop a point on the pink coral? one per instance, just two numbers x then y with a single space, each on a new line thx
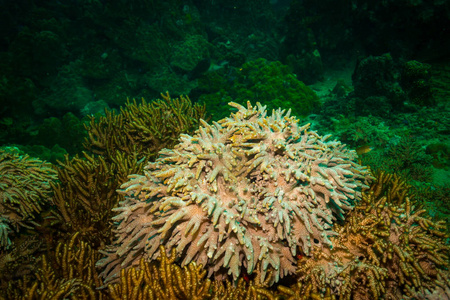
249 192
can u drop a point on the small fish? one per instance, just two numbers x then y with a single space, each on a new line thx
363 149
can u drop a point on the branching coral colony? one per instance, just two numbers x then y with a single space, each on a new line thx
249 193
386 249
24 189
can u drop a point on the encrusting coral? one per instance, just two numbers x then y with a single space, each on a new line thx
248 192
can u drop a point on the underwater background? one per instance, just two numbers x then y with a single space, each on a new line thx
92 91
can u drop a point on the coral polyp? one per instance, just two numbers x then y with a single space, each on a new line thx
249 193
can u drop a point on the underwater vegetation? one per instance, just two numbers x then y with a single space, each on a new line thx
143 129
25 189
268 82
76 197
334 186
240 196
246 193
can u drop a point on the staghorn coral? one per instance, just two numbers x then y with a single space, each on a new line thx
356 280
248 192
24 190
386 249
143 128
408 159
435 199
298 291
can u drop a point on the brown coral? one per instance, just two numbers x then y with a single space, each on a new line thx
71 274
246 192
162 280
386 249
19 260
122 144
86 194
24 190
143 128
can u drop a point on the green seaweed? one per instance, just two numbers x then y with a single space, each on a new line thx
269 82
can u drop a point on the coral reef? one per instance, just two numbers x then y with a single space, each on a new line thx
384 85
77 218
416 82
249 193
164 280
252 196
232 188
19 260
269 82
435 199
189 53
408 158
68 274
86 193
440 152
25 195
144 128
376 80
121 144
404 155
387 249
24 190
358 131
